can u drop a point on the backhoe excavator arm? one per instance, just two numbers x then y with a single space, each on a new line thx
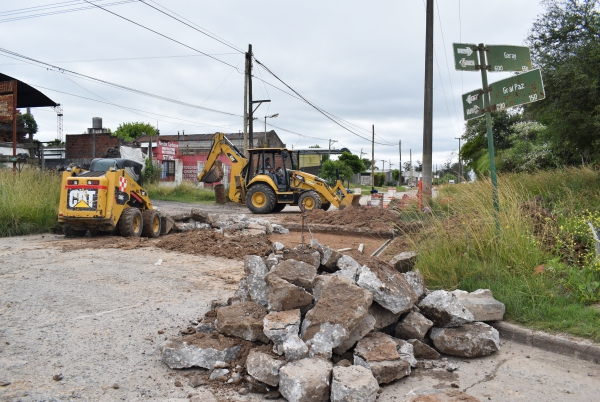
213 169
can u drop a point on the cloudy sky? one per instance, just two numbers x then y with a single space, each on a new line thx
362 61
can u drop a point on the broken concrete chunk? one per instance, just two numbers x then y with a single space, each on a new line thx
279 326
329 259
282 295
279 229
306 255
413 326
423 351
383 317
272 260
406 352
184 216
404 262
297 273
277 246
242 320
340 309
416 281
444 309
166 224
198 350
481 304
199 215
348 267
294 348
470 340
241 294
263 367
353 384
318 285
184 226
256 270
367 325
305 380
389 288
219 375
378 352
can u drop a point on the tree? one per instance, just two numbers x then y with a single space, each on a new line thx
367 163
353 161
565 44
315 146
396 175
27 121
419 167
131 131
328 171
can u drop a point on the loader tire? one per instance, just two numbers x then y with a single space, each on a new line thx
131 222
260 199
151 220
310 200
326 206
278 207
70 232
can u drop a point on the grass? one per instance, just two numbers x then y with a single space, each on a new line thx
541 264
28 202
185 192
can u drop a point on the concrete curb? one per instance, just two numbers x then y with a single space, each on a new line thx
388 234
575 347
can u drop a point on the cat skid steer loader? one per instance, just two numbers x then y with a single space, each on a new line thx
107 197
266 180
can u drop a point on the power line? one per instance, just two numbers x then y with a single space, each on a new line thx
12 15
123 59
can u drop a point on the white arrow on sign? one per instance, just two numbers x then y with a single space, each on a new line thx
466 51
472 98
466 63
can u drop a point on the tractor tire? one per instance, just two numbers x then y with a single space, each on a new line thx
131 222
326 206
70 232
260 199
310 200
151 220
278 207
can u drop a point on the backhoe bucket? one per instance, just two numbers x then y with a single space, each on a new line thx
350 199
215 174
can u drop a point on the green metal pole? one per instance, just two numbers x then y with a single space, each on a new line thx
490 137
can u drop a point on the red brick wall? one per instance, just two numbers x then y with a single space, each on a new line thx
79 146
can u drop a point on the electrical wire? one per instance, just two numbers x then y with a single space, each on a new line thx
12 15
122 59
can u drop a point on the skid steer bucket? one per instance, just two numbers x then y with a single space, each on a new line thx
215 173
350 199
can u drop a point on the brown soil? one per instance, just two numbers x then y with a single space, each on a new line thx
213 243
395 247
215 340
352 217
334 241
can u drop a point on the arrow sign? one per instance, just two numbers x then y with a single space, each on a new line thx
473 104
508 58
518 90
465 56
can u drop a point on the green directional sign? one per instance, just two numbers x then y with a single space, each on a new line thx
518 90
473 104
508 58
465 56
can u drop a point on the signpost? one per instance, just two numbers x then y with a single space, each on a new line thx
513 91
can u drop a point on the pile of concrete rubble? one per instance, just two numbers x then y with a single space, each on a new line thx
316 325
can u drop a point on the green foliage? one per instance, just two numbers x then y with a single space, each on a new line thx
396 175
131 131
379 179
55 142
151 171
27 121
185 192
28 202
328 171
367 163
314 146
353 161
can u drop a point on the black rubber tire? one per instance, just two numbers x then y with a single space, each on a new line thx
70 232
311 198
326 206
278 207
264 193
131 222
151 219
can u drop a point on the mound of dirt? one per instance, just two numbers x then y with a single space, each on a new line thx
213 243
353 217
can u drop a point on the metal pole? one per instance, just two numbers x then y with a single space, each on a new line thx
400 163
245 141
373 160
265 142
459 164
14 113
250 112
428 102
490 138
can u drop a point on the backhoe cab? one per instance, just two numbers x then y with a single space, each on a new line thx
266 180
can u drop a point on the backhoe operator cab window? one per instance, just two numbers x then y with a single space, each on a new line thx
273 163
134 169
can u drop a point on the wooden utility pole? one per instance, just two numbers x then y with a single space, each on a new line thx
411 167
245 143
250 111
428 103
459 164
400 162
14 122
373 160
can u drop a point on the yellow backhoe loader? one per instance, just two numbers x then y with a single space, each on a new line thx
266 180
107 197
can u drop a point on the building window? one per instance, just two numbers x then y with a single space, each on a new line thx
169 167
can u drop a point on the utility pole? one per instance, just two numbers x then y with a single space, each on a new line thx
428 103
245 142
373 160
331 142
250 111
411 167
459 161
400 162
362 153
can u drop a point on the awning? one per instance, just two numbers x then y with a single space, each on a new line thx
27 96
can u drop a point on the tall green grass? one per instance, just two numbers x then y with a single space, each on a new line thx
28 201
185 192
529 263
